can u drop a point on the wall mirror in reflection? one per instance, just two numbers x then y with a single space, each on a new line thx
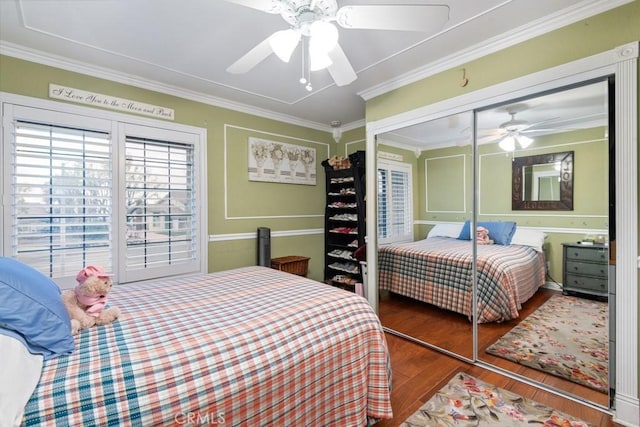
543 182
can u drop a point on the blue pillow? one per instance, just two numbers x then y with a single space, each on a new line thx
500 232
31 305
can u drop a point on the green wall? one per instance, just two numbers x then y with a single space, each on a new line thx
236 205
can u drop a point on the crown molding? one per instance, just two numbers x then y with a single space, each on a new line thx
43 58
523 33
354 125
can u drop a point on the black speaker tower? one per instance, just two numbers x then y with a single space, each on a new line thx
264 246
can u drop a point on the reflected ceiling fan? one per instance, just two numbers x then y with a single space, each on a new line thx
311 21
514 132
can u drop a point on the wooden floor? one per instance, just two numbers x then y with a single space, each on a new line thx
418 372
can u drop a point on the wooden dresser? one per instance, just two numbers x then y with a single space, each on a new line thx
585 269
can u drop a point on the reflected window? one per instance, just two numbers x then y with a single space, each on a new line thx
542 182
395 207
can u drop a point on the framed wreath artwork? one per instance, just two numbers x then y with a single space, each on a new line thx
273 161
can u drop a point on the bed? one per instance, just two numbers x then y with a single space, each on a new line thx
249 346
438 270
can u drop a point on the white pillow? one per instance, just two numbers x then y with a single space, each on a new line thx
19 375
529 237
446 229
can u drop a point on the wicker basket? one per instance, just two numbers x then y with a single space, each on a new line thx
292 264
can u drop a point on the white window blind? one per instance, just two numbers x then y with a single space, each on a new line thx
395 207
62 197
160 203
383 207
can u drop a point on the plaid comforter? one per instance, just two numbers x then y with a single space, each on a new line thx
438 271
251 346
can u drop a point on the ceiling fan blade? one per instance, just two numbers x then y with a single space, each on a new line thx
252 58
341 70
532 125
489 139
544 130
425 18
269 6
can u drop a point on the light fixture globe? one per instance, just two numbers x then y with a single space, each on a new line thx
524 141
508 143
324 35
284 43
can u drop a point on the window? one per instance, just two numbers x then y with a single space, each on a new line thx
61 197
159 197
395 207
93 190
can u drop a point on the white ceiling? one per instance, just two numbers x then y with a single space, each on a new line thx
184 48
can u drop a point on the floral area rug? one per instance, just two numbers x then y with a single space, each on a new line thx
466 401
567 336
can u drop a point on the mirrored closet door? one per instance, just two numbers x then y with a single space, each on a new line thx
417 297
543 166
534 174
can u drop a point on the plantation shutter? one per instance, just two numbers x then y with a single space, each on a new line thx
62 197
160 201
383 195
395 211
400 204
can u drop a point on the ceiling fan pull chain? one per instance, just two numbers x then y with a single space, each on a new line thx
308 87
303 79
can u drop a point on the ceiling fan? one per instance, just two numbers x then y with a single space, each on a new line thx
514 131
311 21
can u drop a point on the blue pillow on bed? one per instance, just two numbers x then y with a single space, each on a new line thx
500 232
31 306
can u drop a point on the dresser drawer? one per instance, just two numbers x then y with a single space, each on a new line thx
588 284
587 254
590 269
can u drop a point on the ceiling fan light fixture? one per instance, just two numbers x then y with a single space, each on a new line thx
284 42
508 143
523 140
324 35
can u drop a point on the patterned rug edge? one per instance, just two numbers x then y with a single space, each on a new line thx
466 401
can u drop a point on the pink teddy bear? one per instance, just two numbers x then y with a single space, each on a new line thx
86 303
482 236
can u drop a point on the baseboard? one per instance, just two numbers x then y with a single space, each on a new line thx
552 285
627 411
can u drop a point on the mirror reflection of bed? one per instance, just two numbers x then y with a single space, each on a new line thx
448 175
